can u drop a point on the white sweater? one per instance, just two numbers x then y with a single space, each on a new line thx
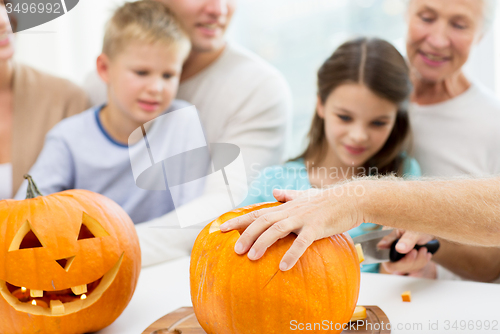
241 100
460 136
457 137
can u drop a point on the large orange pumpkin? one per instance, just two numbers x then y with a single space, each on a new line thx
69 262
234 295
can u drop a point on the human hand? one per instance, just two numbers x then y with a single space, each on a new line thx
312 215
416 262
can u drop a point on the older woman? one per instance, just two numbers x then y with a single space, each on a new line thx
455 120
31 103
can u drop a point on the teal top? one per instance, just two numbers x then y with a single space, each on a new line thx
293 176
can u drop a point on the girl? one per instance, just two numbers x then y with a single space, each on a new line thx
360 127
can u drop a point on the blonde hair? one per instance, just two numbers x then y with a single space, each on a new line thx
144 21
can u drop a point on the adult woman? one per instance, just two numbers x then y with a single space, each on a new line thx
31 103
455 120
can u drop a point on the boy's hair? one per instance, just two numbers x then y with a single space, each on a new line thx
379 66
144 21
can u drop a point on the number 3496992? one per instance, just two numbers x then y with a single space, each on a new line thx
54 8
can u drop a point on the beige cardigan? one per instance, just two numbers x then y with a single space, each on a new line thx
39 102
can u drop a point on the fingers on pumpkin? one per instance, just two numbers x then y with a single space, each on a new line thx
275 232
245 220
238 222
260 229
298 248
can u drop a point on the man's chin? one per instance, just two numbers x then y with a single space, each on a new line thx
202 45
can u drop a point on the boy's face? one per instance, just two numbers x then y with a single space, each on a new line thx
205 21
142 79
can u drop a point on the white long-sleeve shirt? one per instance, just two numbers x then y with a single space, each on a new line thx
458 137
241 100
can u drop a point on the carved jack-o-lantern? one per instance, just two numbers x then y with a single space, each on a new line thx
69 262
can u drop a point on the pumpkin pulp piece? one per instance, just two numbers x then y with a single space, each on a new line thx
359 313
36 293
361 255
56 307
406 296
79 290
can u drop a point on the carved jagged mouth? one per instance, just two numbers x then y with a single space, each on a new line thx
58 302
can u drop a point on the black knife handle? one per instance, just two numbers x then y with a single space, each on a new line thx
432 247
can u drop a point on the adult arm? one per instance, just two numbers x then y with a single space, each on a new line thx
464 211
470 262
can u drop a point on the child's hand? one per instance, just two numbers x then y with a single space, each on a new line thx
407 240
415 263
306 213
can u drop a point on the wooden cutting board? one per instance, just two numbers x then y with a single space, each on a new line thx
183 321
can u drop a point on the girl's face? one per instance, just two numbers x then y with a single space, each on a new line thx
6 36
357 123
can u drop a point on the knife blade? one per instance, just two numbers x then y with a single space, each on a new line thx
374 255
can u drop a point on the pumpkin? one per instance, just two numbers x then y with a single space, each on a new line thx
69 264
234 295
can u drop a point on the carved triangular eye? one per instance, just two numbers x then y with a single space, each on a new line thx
30 240
91 228
85 233
25 238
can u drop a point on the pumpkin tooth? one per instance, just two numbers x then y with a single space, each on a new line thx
36 293
79 289
56 307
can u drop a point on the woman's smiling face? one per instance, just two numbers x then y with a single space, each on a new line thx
441 34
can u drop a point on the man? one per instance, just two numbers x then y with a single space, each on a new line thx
241 100
461 211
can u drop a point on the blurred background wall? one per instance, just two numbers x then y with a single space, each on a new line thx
295 36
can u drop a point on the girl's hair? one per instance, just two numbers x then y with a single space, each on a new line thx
376 64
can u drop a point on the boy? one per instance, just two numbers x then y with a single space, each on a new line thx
143 52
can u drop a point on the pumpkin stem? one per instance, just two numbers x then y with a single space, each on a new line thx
32 190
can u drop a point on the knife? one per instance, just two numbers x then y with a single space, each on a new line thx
373 254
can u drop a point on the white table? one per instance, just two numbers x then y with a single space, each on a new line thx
164 288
